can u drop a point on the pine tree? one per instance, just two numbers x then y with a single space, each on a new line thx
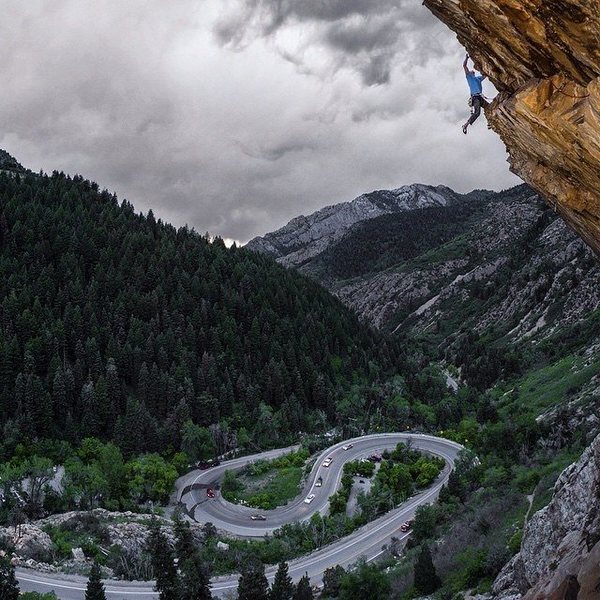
332 579
89 410
163 564
283 587
455 486
9 588
444 495
184 540
253 584
95 587
59 396
426 579
303 589
195 576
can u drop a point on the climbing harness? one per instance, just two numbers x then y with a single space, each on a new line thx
485 98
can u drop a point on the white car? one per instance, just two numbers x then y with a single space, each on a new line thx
309 498
347 446
327 461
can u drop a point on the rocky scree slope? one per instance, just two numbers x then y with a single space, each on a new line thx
303 238
544 58
560 552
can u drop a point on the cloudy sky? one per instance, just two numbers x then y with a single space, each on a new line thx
234 116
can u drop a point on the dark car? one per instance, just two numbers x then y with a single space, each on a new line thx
258 517
207 464
210 493
375 458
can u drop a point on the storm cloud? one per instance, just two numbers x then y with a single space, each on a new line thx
234 116
364 35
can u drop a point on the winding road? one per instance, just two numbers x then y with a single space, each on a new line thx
191 491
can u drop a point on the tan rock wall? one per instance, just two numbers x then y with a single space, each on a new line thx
544 56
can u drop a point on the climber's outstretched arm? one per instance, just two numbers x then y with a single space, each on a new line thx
465 65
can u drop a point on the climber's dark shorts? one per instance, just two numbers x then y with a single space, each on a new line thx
479 102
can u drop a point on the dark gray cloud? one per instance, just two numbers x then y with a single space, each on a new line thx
276 151
364 35
276 116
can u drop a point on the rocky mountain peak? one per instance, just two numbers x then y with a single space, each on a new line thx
304 237
544 57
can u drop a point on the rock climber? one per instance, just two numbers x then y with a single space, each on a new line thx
477 100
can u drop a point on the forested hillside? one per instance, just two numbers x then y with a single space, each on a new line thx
116 325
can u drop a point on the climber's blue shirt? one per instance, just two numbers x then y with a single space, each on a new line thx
474 82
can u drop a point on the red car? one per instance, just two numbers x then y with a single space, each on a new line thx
210 493
405 526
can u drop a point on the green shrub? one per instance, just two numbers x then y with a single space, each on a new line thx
62 545
231 486
514 543
473 567
526 479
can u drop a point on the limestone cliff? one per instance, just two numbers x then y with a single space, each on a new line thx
560 553
544 58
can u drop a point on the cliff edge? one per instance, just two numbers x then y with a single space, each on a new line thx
560 553
544 58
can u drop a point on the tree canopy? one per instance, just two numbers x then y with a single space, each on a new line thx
118 326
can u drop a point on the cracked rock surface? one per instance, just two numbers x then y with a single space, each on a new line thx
544 57
560 553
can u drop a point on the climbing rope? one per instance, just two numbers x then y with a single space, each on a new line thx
560 91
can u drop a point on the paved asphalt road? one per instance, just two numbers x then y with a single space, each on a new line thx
367 541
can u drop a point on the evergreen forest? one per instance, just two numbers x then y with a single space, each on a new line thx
118 326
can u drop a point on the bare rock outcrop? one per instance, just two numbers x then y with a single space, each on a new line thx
560 552
544 58
28 540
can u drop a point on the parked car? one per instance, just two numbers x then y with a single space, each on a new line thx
309 498
210 493
405 526
319 482
347 446
207 464
258 517
375 458
327 461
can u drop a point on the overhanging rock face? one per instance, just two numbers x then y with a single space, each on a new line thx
544 58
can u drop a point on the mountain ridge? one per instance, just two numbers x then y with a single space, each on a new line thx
302 238
485 260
